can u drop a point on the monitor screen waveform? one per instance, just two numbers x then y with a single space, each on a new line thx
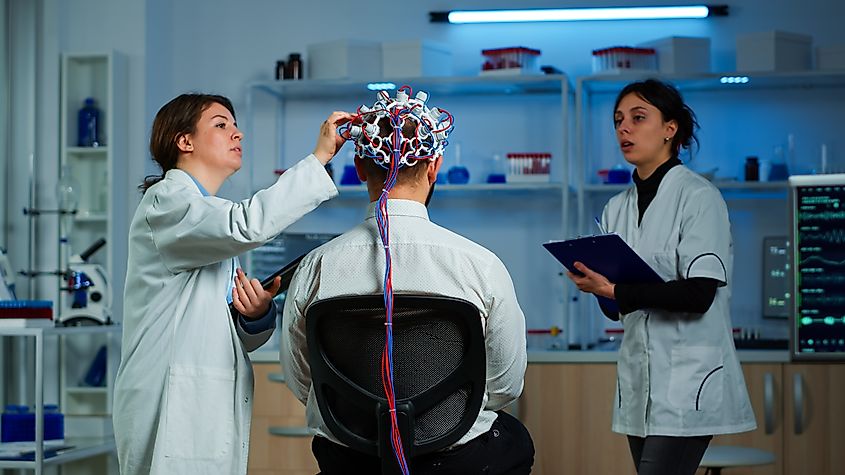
819 257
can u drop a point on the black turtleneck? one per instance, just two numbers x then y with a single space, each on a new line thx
694 295
647 188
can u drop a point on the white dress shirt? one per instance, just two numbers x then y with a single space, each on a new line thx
426 259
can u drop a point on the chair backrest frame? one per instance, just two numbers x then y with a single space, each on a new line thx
327 377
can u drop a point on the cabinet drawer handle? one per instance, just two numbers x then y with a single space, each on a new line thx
769 402
798 397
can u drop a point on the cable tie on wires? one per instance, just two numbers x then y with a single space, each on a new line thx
388 324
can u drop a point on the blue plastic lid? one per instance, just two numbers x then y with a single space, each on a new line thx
51 407
89 101
17 408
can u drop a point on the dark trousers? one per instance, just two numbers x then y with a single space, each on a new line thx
661 455
506 449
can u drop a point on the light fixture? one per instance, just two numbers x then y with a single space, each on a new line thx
734 79
578 14
381 86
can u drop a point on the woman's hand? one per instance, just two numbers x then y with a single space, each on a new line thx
250 299
592 282
329 141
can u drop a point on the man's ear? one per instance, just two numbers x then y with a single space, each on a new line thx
183 142
360 169
433 169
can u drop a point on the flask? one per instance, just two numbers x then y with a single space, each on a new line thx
67 195
752 169
498 172
89 125
293 70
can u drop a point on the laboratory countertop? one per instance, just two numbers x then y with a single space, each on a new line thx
590 356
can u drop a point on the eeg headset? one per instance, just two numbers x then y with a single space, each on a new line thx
432 127
394 151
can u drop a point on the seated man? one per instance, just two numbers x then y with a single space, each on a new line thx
399 145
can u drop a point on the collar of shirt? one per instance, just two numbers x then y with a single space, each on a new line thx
651 183
396 207
199 185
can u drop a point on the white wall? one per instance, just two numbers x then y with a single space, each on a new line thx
219 46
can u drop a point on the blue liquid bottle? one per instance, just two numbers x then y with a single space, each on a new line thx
89 125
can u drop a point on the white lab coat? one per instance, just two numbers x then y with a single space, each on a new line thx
183 394
678 373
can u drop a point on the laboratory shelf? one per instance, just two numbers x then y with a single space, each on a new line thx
104 151
721 184
611 83
87 217
81 448
441 86
348 191
83 445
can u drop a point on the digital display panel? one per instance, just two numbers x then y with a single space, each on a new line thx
818 257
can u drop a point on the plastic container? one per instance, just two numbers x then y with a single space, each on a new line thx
415 58
624 58
17 423
514 60
773 51
89 125
349 176
681 54
528 167
344 59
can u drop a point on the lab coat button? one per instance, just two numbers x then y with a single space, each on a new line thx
246 399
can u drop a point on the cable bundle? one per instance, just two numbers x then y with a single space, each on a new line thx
394 151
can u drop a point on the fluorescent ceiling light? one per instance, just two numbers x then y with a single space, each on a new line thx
579 14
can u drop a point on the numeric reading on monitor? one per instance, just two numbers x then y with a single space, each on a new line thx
820 278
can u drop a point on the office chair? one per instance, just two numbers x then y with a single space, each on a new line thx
439 376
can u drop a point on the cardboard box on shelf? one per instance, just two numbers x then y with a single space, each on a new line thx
344 59
773 51
681 54
830 57
415 58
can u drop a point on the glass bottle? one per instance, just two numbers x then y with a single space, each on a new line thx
89 125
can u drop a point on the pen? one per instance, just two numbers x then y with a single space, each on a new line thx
598 223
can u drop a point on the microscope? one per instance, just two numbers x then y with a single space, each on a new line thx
88 299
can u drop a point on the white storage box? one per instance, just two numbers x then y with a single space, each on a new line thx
344 59
681 54
415 58
830 57
773 51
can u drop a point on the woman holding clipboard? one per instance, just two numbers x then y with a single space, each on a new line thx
679 379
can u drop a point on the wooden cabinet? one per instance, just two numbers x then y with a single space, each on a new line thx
766 389
275 406
567 409
814 419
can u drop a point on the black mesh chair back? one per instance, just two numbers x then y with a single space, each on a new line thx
439 368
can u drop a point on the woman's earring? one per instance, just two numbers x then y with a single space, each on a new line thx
666 139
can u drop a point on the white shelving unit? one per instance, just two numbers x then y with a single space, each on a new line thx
528 113
81 446
710 92
100 171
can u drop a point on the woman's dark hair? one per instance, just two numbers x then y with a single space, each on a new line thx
177 118
671 105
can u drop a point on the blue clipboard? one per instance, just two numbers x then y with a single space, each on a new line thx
610 256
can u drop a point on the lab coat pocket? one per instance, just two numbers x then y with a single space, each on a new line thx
199 413
696 378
